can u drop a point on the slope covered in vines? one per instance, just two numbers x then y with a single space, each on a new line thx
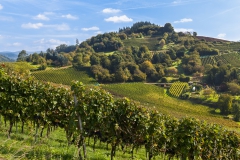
93 112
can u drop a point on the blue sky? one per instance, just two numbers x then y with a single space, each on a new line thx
36 25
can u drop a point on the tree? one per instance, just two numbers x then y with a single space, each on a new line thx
225 104
95 60
147 67
162 42
171 53
172 71
105 62
139 76
168 28
77 42
22 56
233 88
122 36
194 34
120 76
236 111
144 49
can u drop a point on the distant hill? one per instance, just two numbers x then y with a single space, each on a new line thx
10 55
14 55
5 59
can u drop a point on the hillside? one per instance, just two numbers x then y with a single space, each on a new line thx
11 55
187 88
5 59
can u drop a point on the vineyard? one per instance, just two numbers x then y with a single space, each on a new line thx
231 58
64 76
152 96
177 88
208 60
232 46
92 112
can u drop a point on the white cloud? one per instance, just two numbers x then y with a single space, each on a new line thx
69 16
48 13
16 44
1 7
221 35
56 41
41 17
6 18
111 10
50 43
32 25
184 20
41 41
183 30
118 19
176 2
98 32
60 27
91 29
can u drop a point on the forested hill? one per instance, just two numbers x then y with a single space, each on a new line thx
144 52
5 59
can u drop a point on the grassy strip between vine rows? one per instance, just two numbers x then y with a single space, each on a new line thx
23 146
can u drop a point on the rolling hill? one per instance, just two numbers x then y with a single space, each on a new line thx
5 59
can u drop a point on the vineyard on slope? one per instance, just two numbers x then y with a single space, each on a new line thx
121 122
231 58
64 76
177 88
152 96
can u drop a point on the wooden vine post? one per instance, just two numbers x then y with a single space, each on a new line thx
75 87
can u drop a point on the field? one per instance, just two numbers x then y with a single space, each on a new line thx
65 76
231 58
229 46
155 97
148 95
177 88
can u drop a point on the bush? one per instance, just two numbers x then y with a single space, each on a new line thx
43 66
184 79
225 104
164 80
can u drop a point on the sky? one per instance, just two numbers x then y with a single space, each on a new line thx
36 25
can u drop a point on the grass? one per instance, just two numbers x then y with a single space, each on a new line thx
23 146
65 76
154 97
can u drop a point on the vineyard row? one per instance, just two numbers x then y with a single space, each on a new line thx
94 113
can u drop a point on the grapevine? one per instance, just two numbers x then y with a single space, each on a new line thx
120 122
